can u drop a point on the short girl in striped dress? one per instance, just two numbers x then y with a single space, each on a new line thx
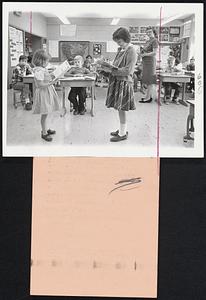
120 94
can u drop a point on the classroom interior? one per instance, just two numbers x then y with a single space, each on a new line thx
93 33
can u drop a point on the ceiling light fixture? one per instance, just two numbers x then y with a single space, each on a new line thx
63 19
115 21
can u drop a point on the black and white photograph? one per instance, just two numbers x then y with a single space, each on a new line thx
103 79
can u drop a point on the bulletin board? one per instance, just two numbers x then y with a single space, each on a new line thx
69 49
168 34
97 49
16 44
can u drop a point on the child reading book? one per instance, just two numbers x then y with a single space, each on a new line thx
191 67
46 99
78 71
120 93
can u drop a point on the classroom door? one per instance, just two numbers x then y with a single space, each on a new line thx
185 50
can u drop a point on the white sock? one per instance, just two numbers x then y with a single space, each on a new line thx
123 129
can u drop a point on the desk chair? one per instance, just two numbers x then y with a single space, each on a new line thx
190 125
17 99
89 95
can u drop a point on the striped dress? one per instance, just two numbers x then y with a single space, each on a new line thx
120 93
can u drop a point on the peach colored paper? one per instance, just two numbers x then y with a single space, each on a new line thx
87 241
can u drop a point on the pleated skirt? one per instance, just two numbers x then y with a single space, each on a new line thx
120 95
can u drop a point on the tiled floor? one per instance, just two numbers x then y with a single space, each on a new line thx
24 127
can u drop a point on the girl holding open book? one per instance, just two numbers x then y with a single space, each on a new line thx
46 99
120 94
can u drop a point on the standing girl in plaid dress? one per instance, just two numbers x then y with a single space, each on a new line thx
120 94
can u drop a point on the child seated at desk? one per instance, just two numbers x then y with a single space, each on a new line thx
173 66
21 70
78 71
88 63
191 67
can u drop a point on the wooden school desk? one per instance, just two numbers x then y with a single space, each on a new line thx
69 82
77 82
190 73
30 79
177 78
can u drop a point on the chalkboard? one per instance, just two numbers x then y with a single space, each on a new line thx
69 49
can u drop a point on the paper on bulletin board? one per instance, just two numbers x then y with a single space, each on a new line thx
16 45
112 46
54 48
95 227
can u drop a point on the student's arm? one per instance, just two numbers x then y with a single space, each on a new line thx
188 67
39 77
88 72
130 64
15 75
70 73
178 68
29 70
154 51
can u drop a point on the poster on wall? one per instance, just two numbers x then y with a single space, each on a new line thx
164 37
53 48
135 37
143 29
174 34
112 46
165 50
134 31
16 45
175 30
97 49
164 30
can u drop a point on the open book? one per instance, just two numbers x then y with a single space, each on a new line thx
61 69
107 65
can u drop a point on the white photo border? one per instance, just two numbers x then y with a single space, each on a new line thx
110 150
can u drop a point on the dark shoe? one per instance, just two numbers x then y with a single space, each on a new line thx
116 133
118 138
49 131
183 102
46 137
75 112
28 106
82 112
145 101
175 101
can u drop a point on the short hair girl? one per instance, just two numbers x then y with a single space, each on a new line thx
46 99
